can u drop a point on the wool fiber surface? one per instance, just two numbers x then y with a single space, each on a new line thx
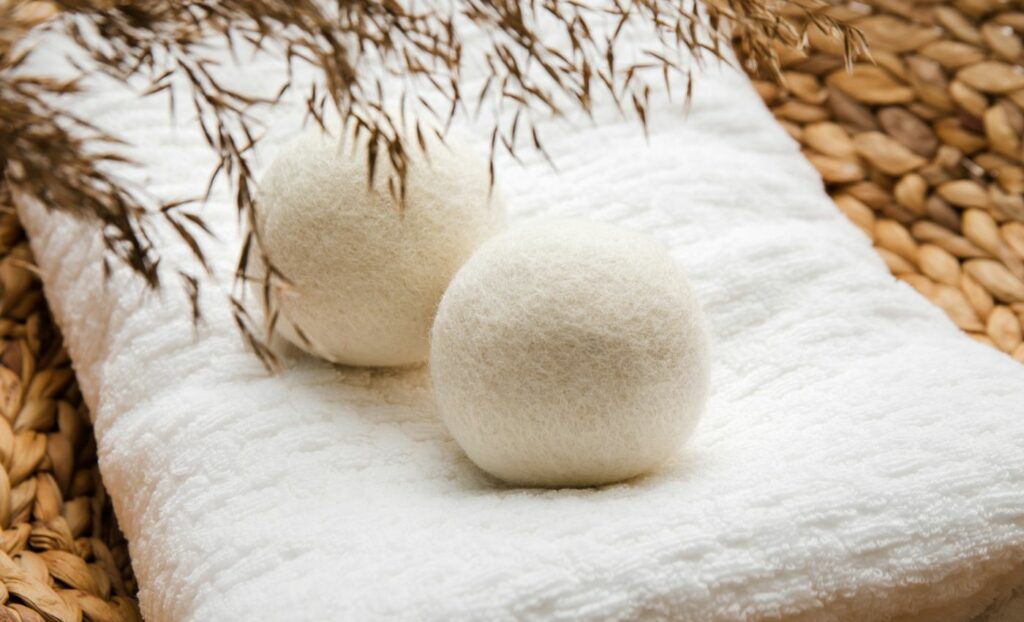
569 353
365 271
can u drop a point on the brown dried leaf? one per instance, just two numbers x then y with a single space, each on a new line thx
896 264
870 85
1017 97
929 81
829 139
964 193
992 77
1004 328
905 127
870 194
892 63
35 414
960 27
1003 137
804 86
893 236
71 569
911 192
835 170
10 393
800 112
827 41
794 130
938 264
768 91
961 247
980 228
1006 205
888 155
858 213
35 593
952 54
1002 40
977 295
1013 234
995 278
923 285
849 111
886 32
1010 178
977 9
927 231
952 132
953 302
48 499
967 98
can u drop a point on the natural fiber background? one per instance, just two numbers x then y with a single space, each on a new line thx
63 558
922 150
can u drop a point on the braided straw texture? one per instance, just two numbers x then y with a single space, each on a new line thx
62 558
922 148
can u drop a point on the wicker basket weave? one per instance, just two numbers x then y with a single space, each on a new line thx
63 558
923 149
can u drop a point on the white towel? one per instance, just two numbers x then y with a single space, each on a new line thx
860 459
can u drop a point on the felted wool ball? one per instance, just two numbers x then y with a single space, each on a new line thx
569 354
367 271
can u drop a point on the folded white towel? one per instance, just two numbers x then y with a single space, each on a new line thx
860 459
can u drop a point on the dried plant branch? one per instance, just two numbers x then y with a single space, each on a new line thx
62 160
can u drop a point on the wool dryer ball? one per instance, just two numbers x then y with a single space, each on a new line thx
367 271
569 354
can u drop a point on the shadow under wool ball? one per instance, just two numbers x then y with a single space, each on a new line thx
367 271
570 354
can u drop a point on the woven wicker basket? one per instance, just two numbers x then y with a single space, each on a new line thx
63 557
922 151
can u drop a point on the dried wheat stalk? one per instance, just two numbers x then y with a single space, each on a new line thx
923 149
43 148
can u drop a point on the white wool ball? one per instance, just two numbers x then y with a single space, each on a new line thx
569 354
368 271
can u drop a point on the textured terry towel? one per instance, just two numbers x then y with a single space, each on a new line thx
860 458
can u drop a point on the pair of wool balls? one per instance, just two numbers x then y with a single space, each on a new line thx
562 353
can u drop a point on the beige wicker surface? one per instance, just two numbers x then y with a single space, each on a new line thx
922 149
62 557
